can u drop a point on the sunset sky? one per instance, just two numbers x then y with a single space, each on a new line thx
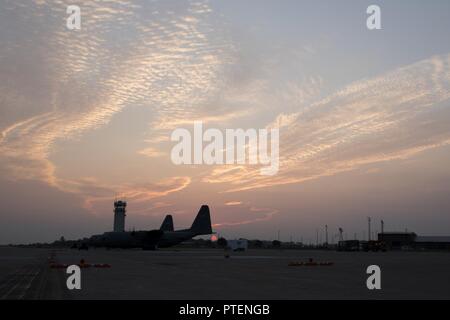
86 115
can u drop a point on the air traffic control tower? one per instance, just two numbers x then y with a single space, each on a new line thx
119 215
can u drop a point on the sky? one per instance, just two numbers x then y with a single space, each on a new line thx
86 116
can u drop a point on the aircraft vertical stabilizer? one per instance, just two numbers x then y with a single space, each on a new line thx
202 223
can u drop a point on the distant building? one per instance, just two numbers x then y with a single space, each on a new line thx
397 240
348 245
119 215
430 242
237 245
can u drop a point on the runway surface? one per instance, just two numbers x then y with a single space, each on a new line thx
205 274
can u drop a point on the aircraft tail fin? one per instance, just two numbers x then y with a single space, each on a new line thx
202 222
167 224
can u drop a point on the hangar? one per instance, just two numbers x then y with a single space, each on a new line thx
432 243
398 240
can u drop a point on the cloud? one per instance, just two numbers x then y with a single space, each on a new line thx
151 152
248 215
233 203
139 195
394 116
176 60
127 53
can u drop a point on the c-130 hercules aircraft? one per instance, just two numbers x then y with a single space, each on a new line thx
164 237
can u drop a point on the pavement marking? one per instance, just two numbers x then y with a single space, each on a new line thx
19 283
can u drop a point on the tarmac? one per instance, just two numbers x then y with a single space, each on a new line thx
258 274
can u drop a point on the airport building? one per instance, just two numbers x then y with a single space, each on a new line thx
237 245
432 243
398 240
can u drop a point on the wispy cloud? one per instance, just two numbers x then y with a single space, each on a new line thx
127 53
249 215
140 195
174 59
233 203
393 116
